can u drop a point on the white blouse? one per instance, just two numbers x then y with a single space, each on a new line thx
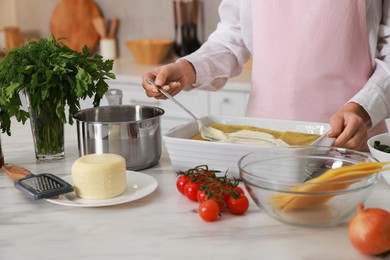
228 48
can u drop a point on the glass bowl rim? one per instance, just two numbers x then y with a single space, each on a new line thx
268 182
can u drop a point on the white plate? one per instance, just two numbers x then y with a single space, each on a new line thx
139 185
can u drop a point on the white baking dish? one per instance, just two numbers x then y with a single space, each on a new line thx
186 153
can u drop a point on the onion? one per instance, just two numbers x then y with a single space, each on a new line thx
369 230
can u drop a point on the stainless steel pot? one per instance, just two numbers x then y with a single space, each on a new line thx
131 131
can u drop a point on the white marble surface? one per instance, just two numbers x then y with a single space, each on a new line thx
159 226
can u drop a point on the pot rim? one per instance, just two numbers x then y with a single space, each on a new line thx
86 110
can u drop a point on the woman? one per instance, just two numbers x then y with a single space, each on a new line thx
323 61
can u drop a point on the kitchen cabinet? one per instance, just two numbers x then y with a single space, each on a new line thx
229 101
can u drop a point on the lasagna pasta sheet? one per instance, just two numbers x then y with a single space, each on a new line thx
289 137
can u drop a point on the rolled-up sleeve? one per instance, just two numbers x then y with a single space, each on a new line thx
224 53
375 95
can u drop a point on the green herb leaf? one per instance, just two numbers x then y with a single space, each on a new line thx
54 76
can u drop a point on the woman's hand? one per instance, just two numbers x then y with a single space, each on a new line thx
172 78
349 126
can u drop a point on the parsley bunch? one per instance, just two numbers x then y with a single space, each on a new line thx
54 76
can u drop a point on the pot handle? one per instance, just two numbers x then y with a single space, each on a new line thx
114 97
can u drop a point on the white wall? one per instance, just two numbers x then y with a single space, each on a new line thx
7 13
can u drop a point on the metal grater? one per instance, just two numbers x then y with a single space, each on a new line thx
44 185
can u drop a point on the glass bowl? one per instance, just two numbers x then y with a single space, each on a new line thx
277 179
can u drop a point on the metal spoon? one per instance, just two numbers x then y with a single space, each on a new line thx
216 135
207 132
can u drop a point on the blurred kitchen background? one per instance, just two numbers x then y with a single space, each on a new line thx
137 18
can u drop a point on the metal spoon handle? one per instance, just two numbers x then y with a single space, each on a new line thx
172 98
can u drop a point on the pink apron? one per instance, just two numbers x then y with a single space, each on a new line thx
310 58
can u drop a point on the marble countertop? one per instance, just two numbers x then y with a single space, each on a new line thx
162 225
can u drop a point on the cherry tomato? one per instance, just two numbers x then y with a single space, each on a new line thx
208 210
201 196
181 181
225 194
191 190
239 189
222 204
238 206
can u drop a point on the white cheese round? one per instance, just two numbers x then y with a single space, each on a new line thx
99 176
